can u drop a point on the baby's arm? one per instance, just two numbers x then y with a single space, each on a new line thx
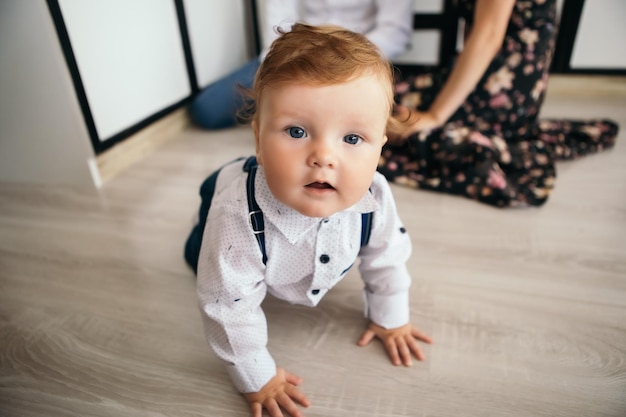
231 288
387 281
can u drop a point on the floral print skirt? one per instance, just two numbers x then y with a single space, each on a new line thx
490 150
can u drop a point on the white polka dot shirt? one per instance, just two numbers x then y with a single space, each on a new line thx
306 258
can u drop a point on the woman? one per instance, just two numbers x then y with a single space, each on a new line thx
475 130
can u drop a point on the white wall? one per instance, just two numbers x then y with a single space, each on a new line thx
130 55
218 37
131 61
601 38
43 138
130 58
424 49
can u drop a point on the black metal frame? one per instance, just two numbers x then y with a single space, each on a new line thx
184 34
64 40
102 144
568 30
254 19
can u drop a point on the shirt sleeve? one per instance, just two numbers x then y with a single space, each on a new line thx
383 262
394 26
231 289
276 13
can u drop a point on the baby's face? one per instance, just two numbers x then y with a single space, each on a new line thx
320 146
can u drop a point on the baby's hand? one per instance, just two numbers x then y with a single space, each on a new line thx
399 342
279 392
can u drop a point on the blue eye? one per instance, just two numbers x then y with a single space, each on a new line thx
352 139
296 132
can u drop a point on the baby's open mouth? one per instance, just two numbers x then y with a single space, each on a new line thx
320 186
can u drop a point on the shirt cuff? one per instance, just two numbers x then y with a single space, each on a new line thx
388 311
252 373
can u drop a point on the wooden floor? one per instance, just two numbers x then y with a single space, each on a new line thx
527 307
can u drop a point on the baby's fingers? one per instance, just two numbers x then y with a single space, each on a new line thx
415 348
420 336
257 409
292 379
366 337
392 350
273 408
296 394
288 405
405 352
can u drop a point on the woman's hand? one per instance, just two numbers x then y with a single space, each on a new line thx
399 342
279 392
411 122
423 121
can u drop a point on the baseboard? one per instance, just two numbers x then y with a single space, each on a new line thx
589 85
126 153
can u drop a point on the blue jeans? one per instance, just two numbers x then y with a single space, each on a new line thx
216 106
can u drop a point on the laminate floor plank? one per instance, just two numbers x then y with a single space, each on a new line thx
527 307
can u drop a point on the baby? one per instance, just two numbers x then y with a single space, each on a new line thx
293 220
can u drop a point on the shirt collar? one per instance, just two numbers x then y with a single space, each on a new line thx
292 224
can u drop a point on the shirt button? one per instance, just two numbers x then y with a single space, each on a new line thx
402 230
315 292
324 259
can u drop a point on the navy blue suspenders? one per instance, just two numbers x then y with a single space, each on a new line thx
254 211
256 215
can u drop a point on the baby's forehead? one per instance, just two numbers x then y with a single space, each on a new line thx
362 88
352 85
367 93
328 80
358 104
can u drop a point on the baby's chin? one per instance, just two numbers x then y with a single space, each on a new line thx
316 210
316 213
